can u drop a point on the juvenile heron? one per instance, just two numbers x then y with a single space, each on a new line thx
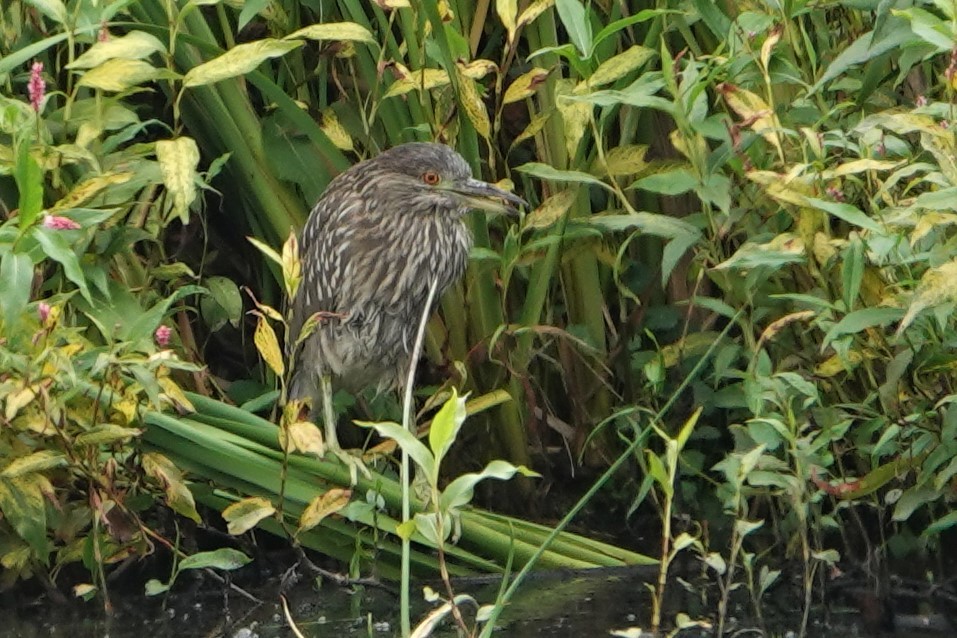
381 233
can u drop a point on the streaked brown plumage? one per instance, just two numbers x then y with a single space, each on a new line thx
382 231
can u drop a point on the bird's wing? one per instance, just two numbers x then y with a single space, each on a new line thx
323 253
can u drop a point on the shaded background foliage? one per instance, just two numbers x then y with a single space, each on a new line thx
684 161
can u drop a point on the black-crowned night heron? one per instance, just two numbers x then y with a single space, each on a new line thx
371 248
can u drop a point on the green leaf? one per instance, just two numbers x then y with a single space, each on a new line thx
241 59
446 426
459 492
860 320
16 280
53 9
225 558
407 441
852 270
22 505
865 48
29 179
155 587
224 303
648 223
576 21
56 248
847 212
544 171
671 182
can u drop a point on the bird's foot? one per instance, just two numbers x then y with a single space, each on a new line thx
351 459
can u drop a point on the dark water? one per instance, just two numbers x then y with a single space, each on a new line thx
551 605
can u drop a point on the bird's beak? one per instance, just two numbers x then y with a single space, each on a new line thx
484 196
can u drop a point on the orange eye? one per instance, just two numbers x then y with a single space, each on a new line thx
430 177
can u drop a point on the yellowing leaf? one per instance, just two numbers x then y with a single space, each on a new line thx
551 210
135 45
118 75
175 395
36 462
575 116
474 106
524 85
773 38
755 112
302 436
421 80
178 496
322 506
532 11
243 516
477 69
507 11
616 68
340 31
239 60
17 400
534 127
937 285
860 166
107 434
624 160
268 346
90 188
178 160
291 266
335 132
839 364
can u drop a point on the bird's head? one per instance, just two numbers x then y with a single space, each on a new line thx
426 176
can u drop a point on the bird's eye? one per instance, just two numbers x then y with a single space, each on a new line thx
430 177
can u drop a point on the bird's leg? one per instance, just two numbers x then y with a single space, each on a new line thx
351 461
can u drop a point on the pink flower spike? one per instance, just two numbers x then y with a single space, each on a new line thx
37 87
162 335
43 310
56 222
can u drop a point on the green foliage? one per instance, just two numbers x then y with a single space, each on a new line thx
84 319
690 165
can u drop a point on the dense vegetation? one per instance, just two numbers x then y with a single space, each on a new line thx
736 269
